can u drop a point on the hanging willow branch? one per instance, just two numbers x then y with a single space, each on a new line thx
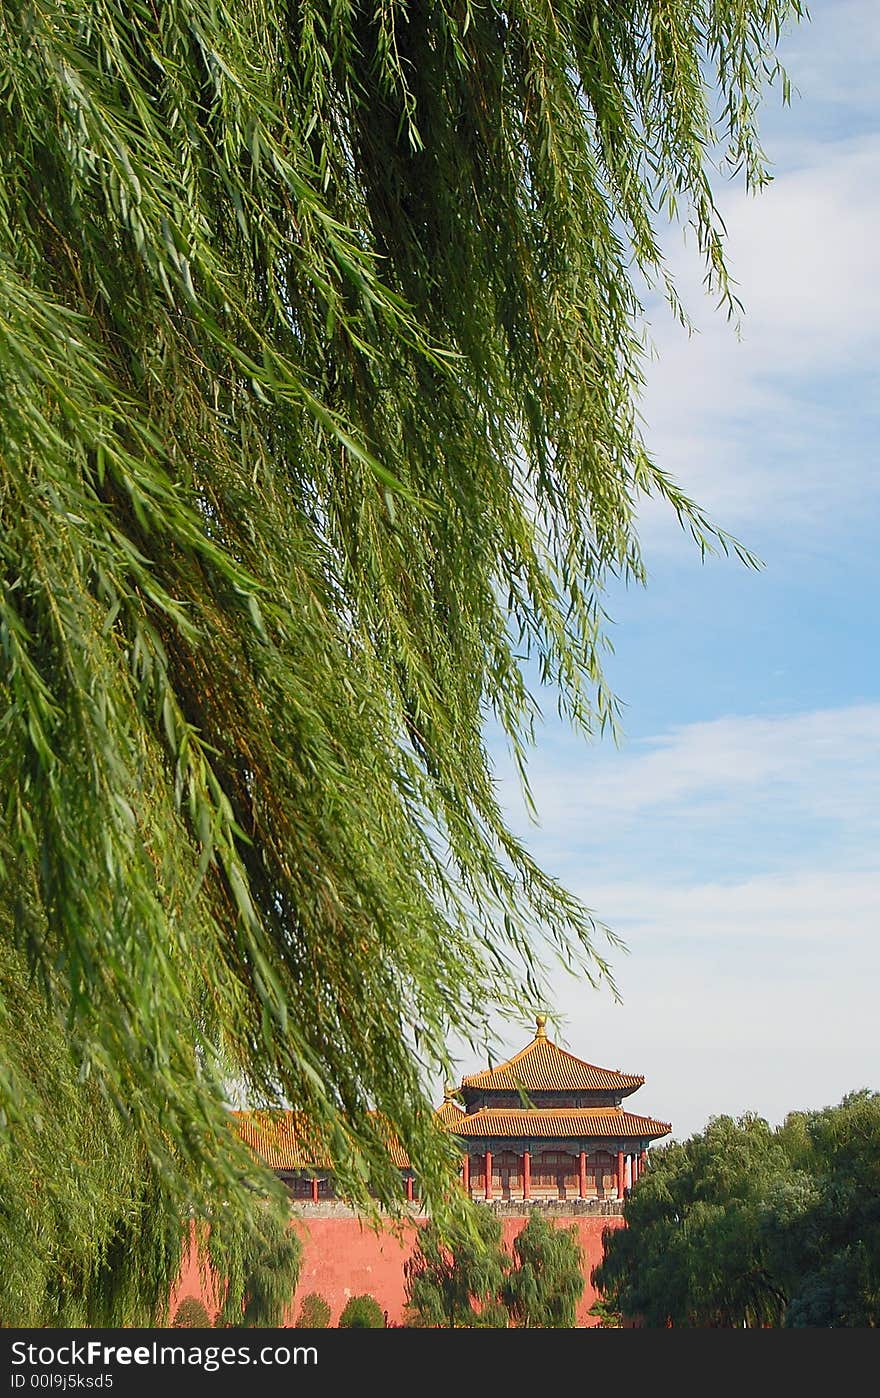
319 352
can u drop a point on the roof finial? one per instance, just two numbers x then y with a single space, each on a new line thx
449 1092
541 1022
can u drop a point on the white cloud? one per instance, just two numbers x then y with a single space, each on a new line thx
839 907
738 860
824 763
738 857
833 60
758 997
755 425
761 996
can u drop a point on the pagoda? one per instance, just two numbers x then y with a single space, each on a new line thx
546 1125
542 1126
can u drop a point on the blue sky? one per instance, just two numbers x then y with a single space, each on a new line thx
732 840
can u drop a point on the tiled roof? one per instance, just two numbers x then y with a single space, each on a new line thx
555 1122
542 1065
281 1139
284 1141
449 1115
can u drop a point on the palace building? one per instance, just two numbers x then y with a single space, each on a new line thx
544 1130
543 1126
546 1125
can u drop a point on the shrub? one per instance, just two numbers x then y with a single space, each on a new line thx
606 1316
492 1316
191 1314
314 1313
362 1313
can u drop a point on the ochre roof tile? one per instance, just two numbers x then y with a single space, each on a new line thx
449 1114
543 1066
281 1140
285 1142
557 1122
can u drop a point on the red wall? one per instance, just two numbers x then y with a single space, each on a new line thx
343 1258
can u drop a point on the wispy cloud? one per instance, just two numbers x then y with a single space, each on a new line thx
735 848
760 996
759 426
738 860
721 792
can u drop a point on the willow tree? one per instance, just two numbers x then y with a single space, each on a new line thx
319 359
543 1288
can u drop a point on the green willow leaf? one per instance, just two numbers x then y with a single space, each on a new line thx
320 352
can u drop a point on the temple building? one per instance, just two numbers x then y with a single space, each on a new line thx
545 1130
546 1125
543 1126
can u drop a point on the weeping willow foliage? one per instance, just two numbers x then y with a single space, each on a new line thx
260 1270
319 355
91 1231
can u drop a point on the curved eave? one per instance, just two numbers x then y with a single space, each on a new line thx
554 1124
449 1115
544 1067
280 1140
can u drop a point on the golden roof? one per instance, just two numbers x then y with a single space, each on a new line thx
555 1122
450 1113
544 1067
285 1142
282 1141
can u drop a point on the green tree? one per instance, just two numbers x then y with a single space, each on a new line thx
749 1226
263 1276
607 1318
191 1314
450 1283
362 1313
314 1312
744 1226
492 1315
547 1278
319 357
827 1241
695 1249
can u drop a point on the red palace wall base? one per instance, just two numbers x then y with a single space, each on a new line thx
344 1258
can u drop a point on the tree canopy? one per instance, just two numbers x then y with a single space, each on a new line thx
452 1281
319 359
546 1281
473 1282
362 1313
743 1225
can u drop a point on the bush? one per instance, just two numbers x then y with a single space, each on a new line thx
191 1314
362 1313
607 1317
492 1316
314 1313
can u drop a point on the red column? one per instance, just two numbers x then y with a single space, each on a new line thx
314 1191
466 1173
409 1188
643 1160
488 1174
582 1175
620 1174
635 1167
527 1174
